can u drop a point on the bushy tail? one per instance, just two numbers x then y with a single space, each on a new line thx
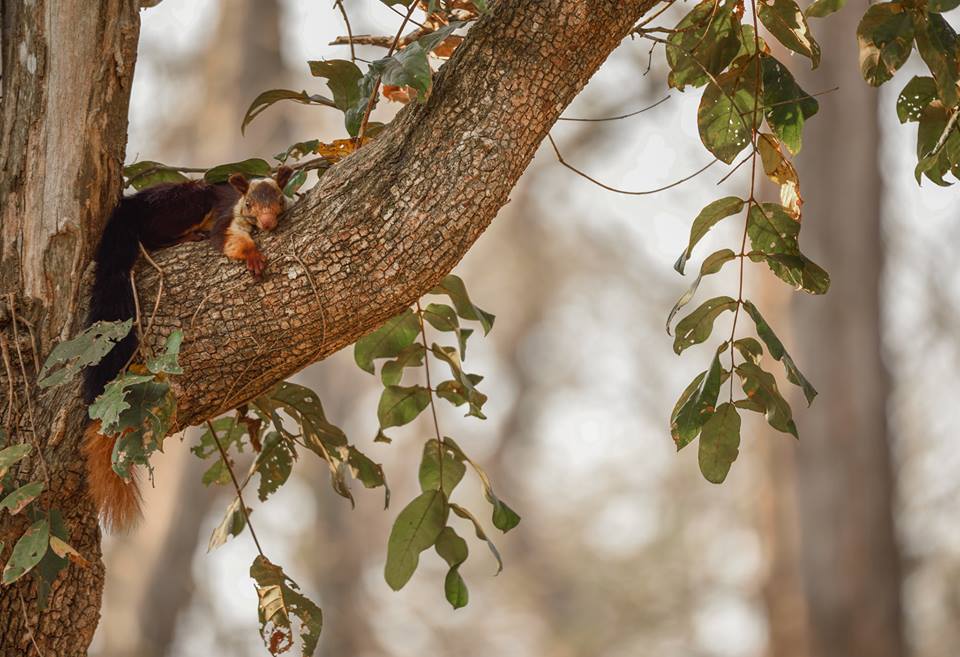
118 501
112 297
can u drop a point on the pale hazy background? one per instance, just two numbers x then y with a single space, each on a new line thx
624 550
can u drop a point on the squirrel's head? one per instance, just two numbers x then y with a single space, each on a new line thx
262 199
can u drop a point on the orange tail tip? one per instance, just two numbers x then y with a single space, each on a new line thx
118 501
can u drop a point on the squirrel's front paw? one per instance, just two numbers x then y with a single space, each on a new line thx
256 263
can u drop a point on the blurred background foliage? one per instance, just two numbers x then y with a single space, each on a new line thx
843 545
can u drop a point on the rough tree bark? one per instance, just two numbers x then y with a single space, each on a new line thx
380 230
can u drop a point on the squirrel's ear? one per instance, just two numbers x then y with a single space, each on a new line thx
283 176
239 183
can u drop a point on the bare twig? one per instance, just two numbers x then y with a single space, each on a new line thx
346 21
622 191
618 118
26 389
236 487
28 625
316 293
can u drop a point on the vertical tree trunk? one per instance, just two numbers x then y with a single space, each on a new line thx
850 562
67 69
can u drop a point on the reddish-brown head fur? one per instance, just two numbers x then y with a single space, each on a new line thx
262 199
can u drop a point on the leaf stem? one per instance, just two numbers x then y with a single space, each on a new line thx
236 487
433 406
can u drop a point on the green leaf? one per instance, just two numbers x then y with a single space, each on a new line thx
457 394
167 362
16 501
343 78
303 405
453 287
252 168
885 35
504 518
112 401
708 217
773 233
719 443
441 468
937 45
714 262
368 472
147 173
444 318
696 404
786 105
28 551
453 550
141 427
268 98
10 456
823 8
761 388
46 572
698 325
410 356
788 24
778 352
400 405
387 341
941 6
416 528
295 183
916 96
749 348
478 529
233 523
474 398
727 110
280 601
704 42
274 464
87 348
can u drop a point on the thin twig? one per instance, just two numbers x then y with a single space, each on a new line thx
26 390
12 394
156 302
623 191
617 118
236 486
433 406
346 21
26 622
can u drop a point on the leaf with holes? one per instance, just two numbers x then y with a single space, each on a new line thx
786 105
885 35
167 361
785 21
441 467
698 325
10 456
274 464
916 96
728 111
87 348
17 501
703 43
28 551
937 45
280 601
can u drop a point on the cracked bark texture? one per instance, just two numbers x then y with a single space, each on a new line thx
67 69
377 233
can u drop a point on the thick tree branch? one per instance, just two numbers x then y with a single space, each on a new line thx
387 223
